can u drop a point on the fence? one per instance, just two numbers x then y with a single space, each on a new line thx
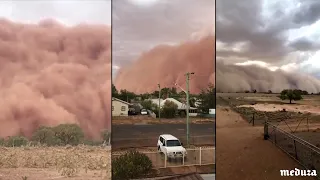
197 156
119 143
303 152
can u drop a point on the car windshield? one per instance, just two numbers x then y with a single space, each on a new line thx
171 143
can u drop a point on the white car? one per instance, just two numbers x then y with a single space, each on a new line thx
144 112
171 146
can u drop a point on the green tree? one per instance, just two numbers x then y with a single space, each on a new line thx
149 105
16 141
45 135
114 91
131 165
145 96
289 94
126 95
70 134
169 109
2 142
165 92
173 91
207 99
155 94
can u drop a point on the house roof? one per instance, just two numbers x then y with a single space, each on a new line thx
124 102
178 103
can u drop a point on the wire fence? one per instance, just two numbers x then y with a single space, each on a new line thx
302 151
198 156
121 143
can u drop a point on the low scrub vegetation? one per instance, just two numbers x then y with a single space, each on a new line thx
61 135
131 165
63 147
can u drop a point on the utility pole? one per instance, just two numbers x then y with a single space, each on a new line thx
188 104
159 101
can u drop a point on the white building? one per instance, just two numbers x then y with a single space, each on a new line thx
119 107
181 106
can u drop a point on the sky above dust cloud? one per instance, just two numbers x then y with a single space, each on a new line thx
53 70
277 35
150 39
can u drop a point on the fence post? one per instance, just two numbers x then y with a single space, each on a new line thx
200 156
165 160
275 136
253 119
183 159
295 149
266 132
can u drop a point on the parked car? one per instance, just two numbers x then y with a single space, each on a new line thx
144 112
171 147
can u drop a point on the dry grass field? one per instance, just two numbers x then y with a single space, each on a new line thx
301 118
41 163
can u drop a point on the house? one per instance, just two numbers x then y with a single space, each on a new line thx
181 106
120 107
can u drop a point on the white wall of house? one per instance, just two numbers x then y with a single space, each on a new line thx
119 108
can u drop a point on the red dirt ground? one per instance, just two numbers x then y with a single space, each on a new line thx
242 154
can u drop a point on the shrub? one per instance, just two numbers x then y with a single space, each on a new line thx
169 110
2 142
131 165
70 134
92 142
16 141
45 135
149 105
105 134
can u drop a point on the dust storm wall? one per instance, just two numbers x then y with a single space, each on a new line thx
52 74
167 65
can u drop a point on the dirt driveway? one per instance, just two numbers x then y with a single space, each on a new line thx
242 154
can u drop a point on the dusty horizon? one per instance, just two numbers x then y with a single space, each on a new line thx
234 78
167 65
52 74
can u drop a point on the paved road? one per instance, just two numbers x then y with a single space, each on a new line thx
143 131
125 136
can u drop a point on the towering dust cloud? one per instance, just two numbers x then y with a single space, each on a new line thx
51 74
167 65
232 78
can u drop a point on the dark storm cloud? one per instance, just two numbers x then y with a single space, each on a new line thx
310 14
138 28
305 44
266 38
